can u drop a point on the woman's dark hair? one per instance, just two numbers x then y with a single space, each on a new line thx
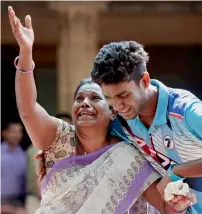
86 80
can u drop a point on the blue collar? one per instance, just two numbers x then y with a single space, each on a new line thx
161 110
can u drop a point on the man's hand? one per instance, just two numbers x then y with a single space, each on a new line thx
178 202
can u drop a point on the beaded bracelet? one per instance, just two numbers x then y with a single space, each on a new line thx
177 211
23 71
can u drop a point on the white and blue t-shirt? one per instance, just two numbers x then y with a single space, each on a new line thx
175 135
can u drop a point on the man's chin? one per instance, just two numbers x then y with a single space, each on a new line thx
129 116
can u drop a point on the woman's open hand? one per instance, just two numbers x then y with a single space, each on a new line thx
23 35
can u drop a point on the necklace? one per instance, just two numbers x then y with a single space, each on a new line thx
80 148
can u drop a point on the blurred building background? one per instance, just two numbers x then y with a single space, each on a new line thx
69 34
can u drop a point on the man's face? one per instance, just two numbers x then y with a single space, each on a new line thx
14 133
126 98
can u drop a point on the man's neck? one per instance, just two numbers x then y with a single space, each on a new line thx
148 113
12 147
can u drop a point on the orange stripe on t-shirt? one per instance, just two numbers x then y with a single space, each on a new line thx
176 115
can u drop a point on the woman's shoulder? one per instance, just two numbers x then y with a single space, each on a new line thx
64 144
64 127
65 131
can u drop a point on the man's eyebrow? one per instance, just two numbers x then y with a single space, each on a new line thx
117 95
122 93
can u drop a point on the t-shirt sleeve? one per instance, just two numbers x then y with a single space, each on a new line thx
116 129
193 119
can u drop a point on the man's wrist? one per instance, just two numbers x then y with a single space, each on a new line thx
176 170
173 174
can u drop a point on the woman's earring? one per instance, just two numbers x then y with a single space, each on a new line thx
113 114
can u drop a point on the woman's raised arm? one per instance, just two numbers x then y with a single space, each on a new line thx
40 126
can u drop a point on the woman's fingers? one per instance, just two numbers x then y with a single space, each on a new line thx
41 166
28 22
41 170
11 17
40 174
192 197
38 157
40 178
170 203
177 198
188 200
14 21
18 27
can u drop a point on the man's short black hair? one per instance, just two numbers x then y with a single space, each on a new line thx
7 124
119 62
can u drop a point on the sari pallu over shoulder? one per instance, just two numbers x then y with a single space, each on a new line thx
109 180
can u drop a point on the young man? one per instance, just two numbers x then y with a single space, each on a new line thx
13 170
164 123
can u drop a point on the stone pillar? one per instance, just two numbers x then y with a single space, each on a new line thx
77 46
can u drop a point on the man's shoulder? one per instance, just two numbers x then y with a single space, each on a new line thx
179 100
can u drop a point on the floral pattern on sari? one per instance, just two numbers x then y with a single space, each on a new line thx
64 144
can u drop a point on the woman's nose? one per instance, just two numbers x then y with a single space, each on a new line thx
85 103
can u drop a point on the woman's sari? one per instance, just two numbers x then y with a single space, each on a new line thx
110 180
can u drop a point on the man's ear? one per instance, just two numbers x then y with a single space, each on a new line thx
3 133
145 79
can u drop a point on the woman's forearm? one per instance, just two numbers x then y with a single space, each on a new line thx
153 197
25 87
36 120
